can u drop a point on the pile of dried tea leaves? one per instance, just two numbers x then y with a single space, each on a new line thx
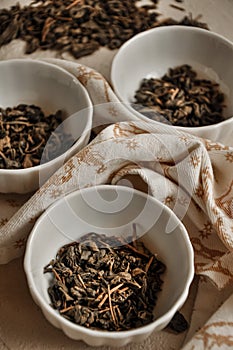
24 132
181 98
80 27
105 282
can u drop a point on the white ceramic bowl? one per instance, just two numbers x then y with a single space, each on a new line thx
151 53
111 210
51 88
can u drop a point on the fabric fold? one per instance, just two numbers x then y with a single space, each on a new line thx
181 170
193 176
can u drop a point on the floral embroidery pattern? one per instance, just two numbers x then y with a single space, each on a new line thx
3 221
210 145
203 254
207 230
130 129
113 111
20 243
86 75
212 335
183 201
131 144
229 157
169 200
13 203
206 173
195 160
225 202
200 191
184 138
68 172
55 193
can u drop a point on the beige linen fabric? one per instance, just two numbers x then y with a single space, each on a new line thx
193 176
209 299
217 333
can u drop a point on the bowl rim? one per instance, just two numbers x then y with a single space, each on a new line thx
165 318
172 28
86 129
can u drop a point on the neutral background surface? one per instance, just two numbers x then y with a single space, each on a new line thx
22 326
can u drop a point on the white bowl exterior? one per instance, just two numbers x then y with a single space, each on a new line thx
51 88
151 53
81 212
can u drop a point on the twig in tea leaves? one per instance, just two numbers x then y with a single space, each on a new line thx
74 3
176 7
149 263
48 22
121 239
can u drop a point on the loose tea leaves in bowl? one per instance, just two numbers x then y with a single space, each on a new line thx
181 98
105 282
24 133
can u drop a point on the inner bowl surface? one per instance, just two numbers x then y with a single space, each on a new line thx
111 210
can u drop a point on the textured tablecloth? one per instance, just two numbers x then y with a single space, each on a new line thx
22 325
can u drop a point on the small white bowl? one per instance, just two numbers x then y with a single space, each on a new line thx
111 210
151 53
51 88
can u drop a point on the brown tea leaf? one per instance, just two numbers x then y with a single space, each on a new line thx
181 98
80 26
25 131
114 289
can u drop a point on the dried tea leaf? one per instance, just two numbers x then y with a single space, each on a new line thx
24 133
80 26
181 98
102 283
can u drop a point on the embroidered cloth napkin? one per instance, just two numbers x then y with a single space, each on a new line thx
193 176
